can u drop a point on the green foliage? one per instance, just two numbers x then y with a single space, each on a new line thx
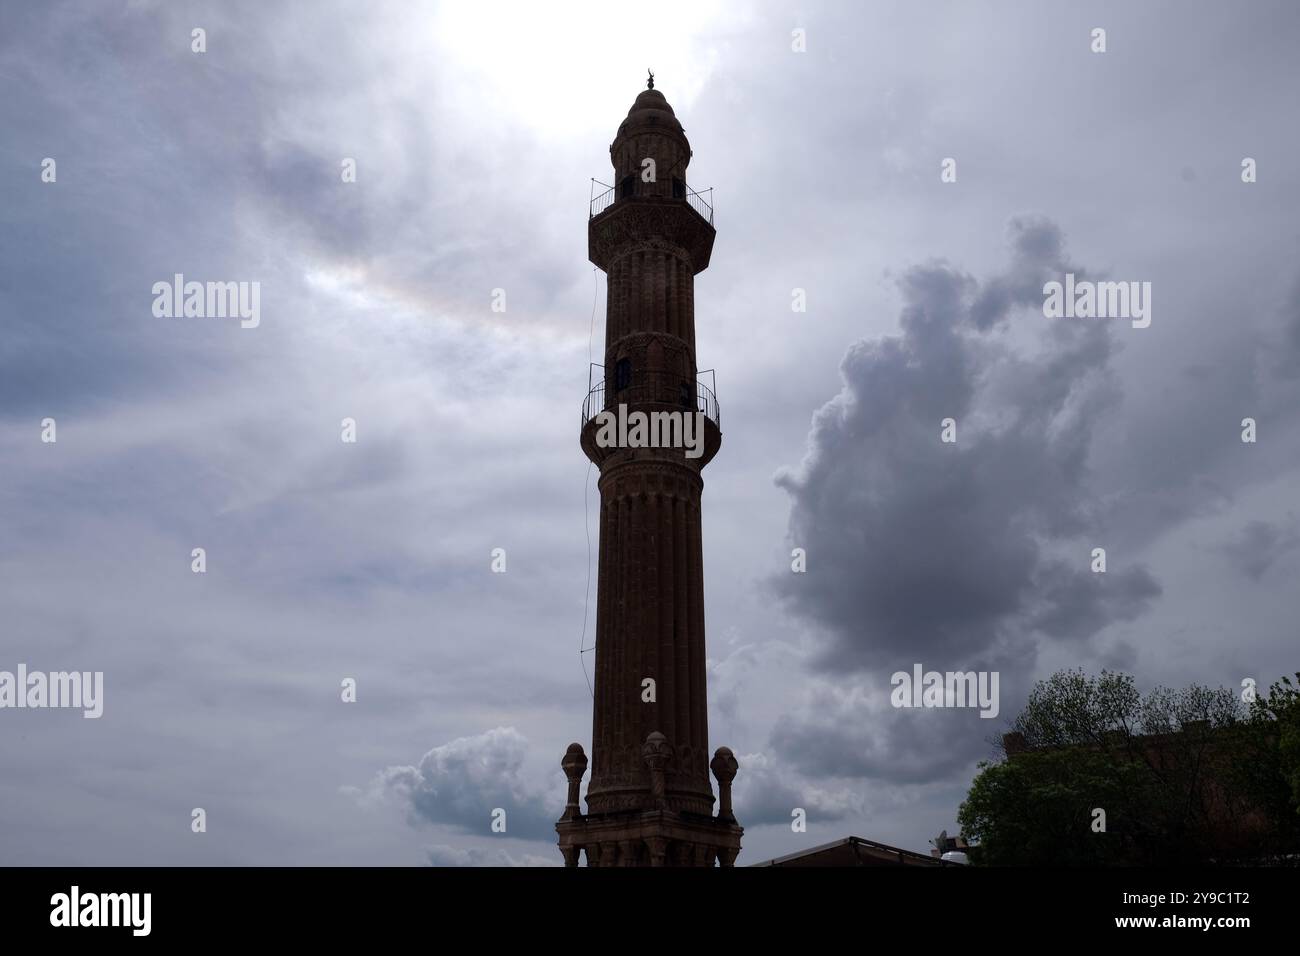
1266 765
1280 711
1183 776
1037 810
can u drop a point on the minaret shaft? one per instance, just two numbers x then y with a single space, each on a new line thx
650 626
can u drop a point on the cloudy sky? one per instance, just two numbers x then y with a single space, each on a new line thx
475 129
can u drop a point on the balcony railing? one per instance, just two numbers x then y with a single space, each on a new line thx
663 390
700 204
602 202
632 187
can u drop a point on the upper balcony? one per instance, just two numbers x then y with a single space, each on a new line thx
632 187
636 211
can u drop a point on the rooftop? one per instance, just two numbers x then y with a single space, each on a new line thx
855 851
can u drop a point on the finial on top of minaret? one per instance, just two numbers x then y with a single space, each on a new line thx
650 83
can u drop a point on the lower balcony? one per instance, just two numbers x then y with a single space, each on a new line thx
652 393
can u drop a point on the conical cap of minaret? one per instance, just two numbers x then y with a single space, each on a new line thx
650 109
651 130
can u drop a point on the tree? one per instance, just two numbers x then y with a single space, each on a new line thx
1096 773
1266 766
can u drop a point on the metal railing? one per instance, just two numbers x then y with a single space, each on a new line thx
700 204
633 187
602 202
663 389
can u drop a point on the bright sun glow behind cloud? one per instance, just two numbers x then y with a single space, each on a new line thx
561 67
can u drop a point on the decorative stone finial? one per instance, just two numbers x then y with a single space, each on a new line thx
574 765
650 83
724 767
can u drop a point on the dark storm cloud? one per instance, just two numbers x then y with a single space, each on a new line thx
954 556
1075 606
933 552
902 747
1281 357
1260 544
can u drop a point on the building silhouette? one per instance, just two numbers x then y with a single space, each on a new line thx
649 799
855 851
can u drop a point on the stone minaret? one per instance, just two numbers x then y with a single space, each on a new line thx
649 801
